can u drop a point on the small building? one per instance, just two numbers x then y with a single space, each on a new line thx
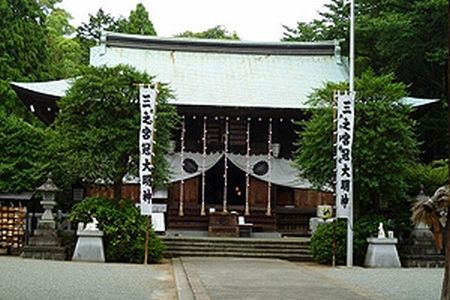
239 102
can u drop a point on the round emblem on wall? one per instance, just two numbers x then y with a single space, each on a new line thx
190 166
261 168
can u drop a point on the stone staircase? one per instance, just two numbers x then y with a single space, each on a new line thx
294 249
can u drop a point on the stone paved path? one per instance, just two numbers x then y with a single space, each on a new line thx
238 278
28 279
398 284
204 278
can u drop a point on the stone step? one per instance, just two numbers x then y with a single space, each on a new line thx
282 248
423 261
232 245
240 241
210 248
287 256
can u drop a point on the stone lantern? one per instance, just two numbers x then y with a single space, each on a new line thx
421 233
45 243
48 190
419 250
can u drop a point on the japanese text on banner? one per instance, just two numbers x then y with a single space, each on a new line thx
344 168
147 100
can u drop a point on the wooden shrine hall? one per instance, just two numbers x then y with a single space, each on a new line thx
239 102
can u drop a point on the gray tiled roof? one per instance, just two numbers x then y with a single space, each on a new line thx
227 73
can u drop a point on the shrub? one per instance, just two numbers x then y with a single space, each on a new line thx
431 176
123 226
322 243
322 239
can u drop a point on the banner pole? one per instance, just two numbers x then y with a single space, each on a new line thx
147 238
352 93
147 103
335 166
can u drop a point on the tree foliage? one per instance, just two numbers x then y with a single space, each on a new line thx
23 160
333 24
407 38
89 33
97 128
65 52
218 32
23 47
383 137
138 22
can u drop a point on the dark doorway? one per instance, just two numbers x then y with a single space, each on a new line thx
214 184
235 185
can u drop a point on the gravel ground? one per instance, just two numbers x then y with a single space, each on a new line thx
398 284
38 279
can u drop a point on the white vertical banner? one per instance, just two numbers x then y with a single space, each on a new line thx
147 100
344 168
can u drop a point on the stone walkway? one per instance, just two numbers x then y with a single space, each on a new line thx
28 279
238 278
211 278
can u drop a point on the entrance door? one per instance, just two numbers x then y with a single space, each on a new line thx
214 184
235 185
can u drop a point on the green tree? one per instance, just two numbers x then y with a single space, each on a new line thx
23 48
218 32
88 34
137 23
407 38
97 128
383 137
332 25
65 52
23 160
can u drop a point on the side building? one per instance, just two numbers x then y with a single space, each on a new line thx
239 102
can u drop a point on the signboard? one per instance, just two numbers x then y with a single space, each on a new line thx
147 100
159 208
344 168
158 222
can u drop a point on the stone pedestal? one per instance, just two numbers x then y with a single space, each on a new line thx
420 250
382 253
89 246
44 244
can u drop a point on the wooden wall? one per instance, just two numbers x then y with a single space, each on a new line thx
301 198
129 191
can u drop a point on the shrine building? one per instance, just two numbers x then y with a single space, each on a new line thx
238 102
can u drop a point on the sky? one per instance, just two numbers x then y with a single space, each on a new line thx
256 20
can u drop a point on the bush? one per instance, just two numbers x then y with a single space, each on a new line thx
322 243
431 176
322 239
123 226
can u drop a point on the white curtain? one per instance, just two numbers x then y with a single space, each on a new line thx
283 172
176 171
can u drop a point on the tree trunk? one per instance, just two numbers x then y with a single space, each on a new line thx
118 189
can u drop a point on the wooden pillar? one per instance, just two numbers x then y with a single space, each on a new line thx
247 171
183 132
202 210
269 162
225 171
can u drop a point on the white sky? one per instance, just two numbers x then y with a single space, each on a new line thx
258 20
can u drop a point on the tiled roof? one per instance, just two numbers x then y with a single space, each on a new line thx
227 73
